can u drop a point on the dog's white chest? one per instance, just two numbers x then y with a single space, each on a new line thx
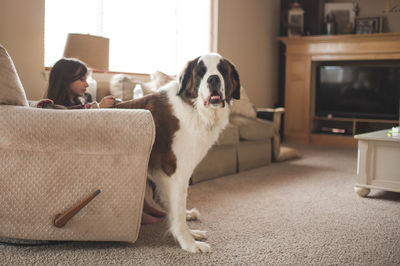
197 132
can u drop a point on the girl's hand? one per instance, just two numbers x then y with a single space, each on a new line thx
107 102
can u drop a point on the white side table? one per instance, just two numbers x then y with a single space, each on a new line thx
378 164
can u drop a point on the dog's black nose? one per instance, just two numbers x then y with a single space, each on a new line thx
214 81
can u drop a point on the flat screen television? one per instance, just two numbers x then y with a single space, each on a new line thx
358 90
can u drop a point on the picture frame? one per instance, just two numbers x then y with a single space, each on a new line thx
368 25
344 16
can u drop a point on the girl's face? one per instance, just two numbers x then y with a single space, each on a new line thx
78 87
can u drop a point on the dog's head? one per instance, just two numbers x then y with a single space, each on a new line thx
211 79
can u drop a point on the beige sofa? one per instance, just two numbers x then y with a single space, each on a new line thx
245 144
53 159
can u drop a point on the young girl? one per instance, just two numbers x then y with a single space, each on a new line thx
67 86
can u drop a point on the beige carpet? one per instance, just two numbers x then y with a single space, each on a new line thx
290 213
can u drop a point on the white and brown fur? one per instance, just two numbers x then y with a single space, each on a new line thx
189 115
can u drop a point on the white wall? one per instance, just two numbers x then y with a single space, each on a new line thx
22 34
247 32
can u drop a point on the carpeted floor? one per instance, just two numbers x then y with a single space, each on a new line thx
289 213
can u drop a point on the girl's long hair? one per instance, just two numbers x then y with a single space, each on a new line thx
62 74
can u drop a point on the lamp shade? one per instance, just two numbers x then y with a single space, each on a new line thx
91 49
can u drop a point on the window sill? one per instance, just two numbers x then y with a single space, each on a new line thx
109 72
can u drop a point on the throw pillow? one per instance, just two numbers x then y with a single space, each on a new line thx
11 90
121 86
157 80
160 79
243 107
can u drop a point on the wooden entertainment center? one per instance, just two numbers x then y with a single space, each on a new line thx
303 54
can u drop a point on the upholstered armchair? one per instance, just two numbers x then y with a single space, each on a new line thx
51 160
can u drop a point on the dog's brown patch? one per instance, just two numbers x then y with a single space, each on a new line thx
166 126
189 82
231 78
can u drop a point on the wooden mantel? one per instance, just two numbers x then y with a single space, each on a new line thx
303 52
345 47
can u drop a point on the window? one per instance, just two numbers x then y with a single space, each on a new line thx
145 36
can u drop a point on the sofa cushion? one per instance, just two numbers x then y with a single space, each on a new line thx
243 107
11 90
220 160
253 129
253 154
157 80
229 136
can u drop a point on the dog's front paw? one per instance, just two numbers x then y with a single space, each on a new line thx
199 234
192 215
197 247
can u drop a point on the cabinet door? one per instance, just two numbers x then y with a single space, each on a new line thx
297 98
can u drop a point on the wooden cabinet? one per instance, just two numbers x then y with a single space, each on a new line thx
302 56
297 117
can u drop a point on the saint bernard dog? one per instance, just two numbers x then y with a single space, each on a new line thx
189 115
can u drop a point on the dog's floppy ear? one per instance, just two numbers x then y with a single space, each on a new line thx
235 77
186 78
233 80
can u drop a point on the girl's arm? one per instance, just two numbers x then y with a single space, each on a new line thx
107 102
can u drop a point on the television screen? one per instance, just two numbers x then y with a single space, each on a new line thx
358 91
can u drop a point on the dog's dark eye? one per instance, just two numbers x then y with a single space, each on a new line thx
222 68
201 69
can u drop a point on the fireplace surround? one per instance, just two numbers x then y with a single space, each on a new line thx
303 57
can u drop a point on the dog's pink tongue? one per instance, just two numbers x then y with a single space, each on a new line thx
215 97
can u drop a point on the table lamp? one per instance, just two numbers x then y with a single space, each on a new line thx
91 49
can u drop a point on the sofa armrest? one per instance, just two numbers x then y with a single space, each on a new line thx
271 114
111 131
274 115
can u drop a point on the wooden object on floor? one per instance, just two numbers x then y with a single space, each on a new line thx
302 56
